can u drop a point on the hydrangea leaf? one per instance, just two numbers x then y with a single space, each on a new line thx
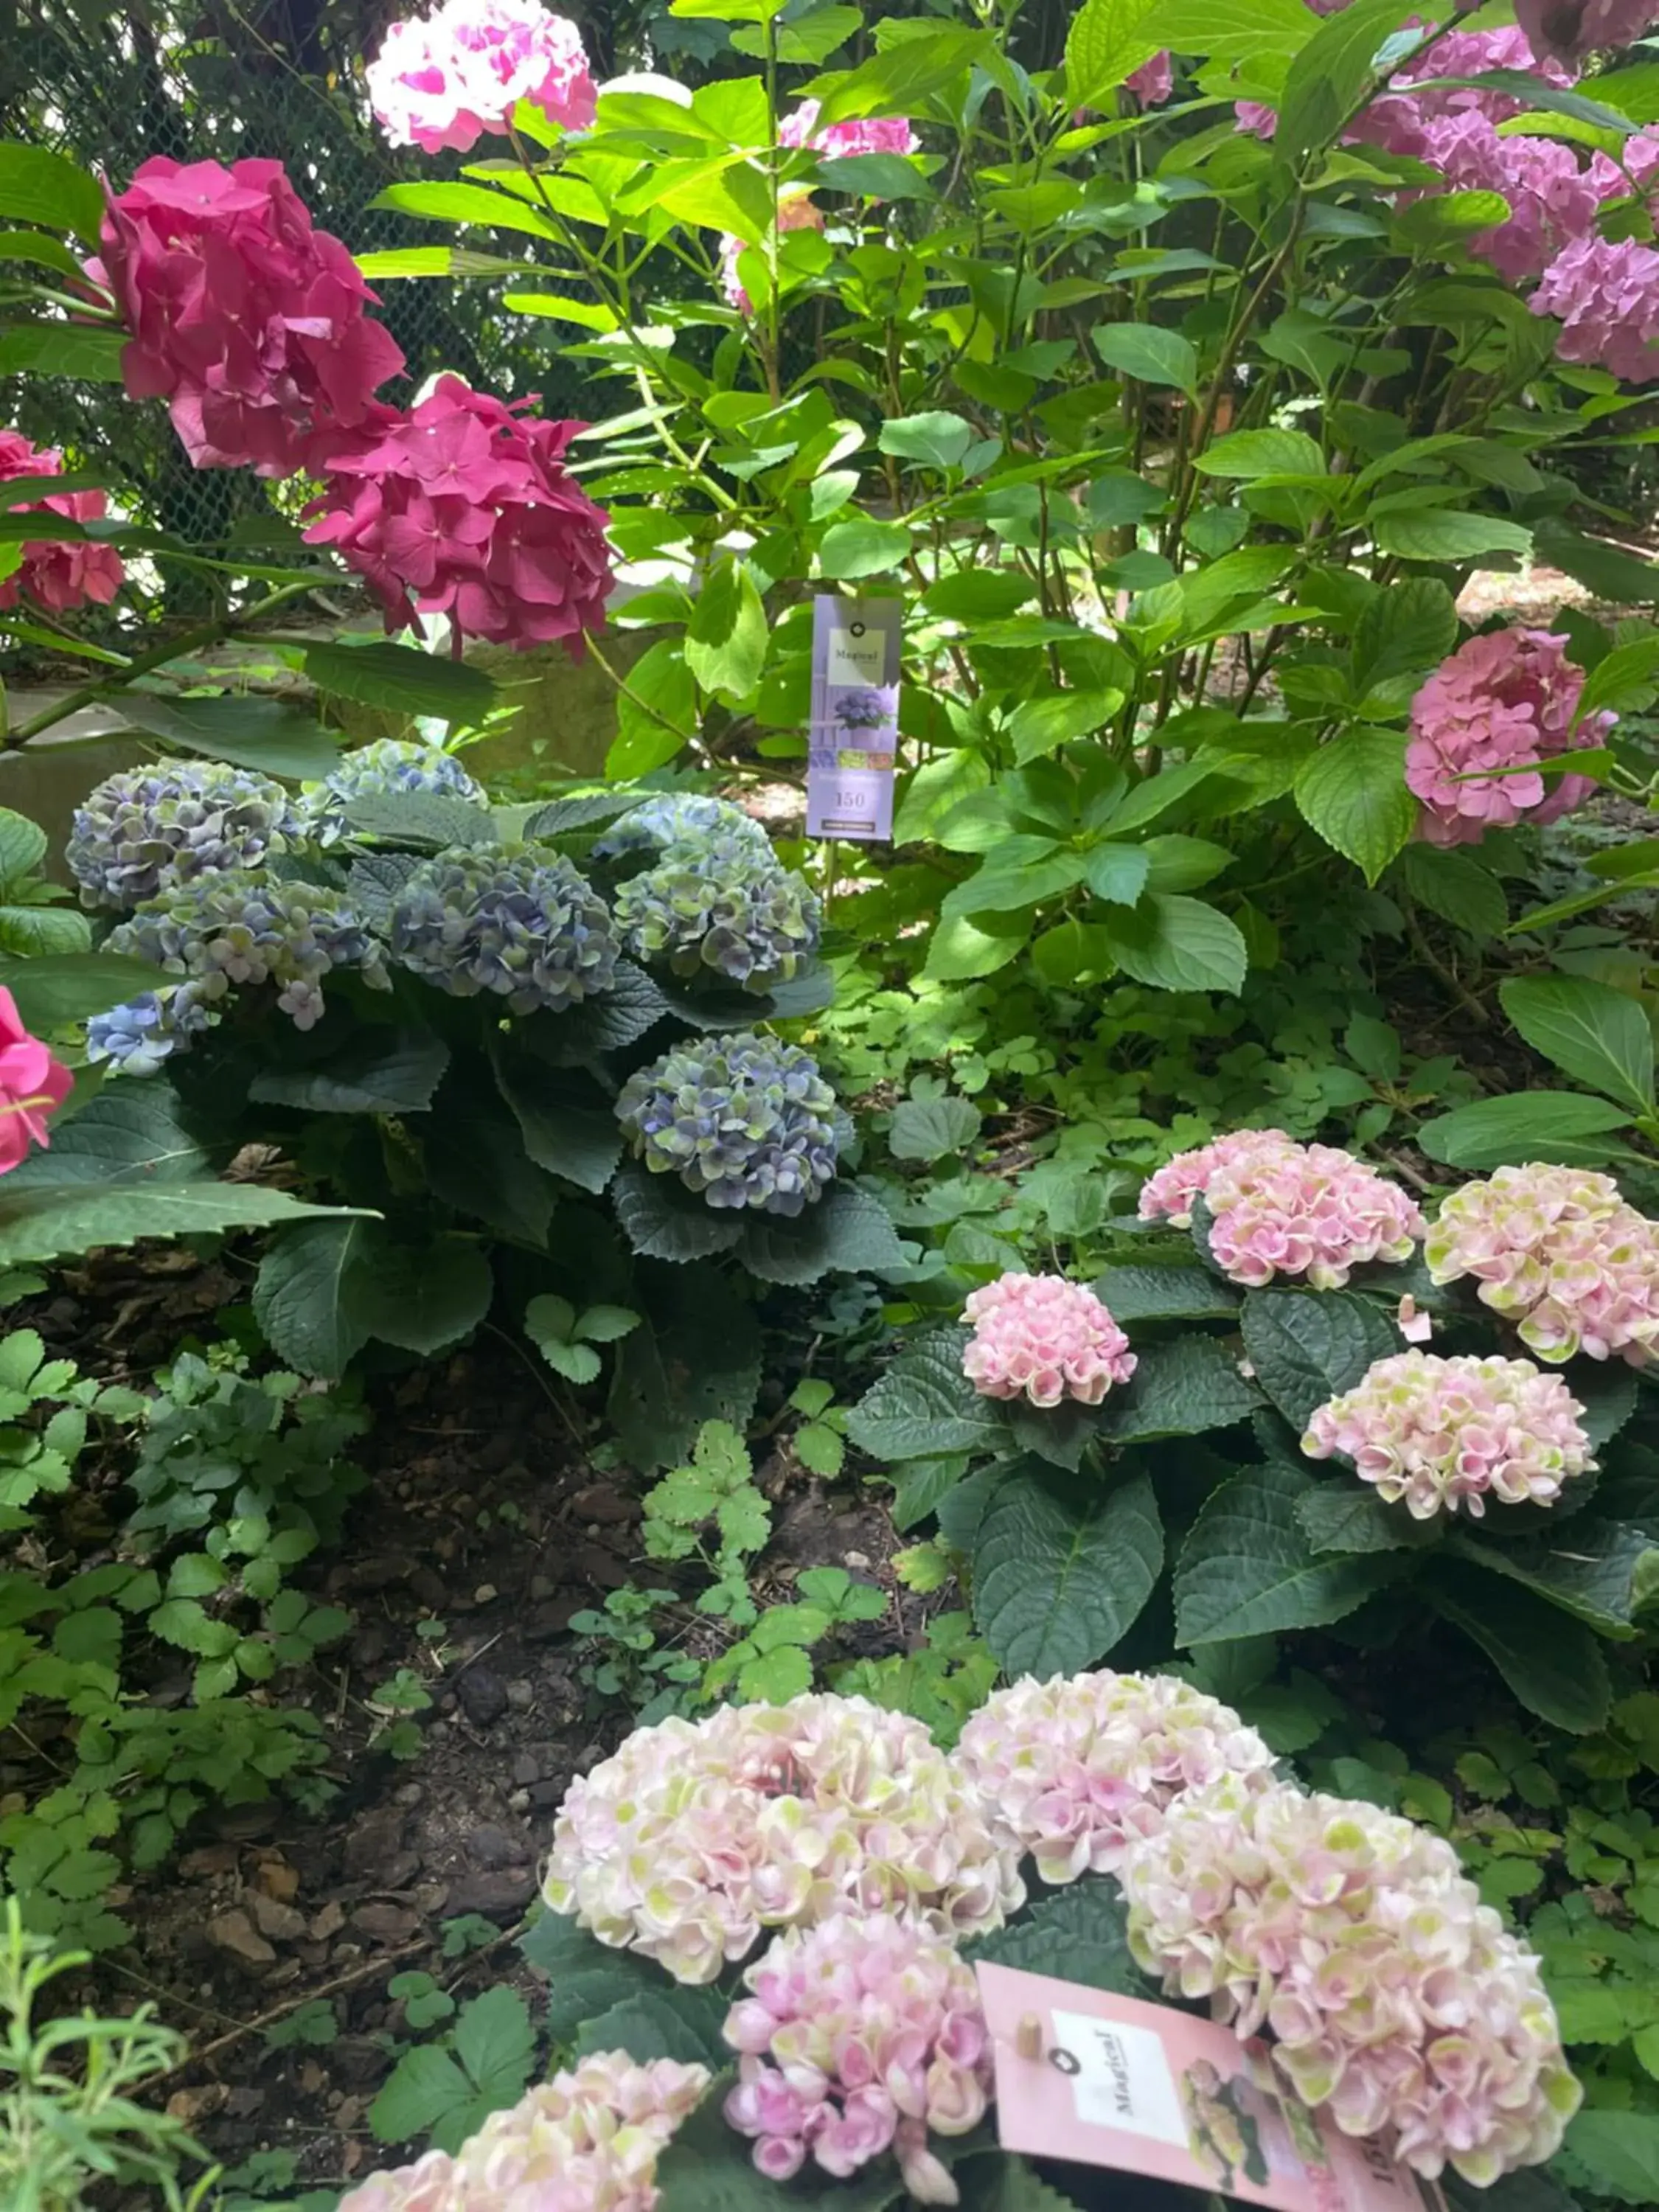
1308 1346
49 1223
1592 1573
847 1231
1553 1664
659 2022
1131 1294
697 1359
925 1405
1060 1572
268 736
1248 1569
662 1222
1179 1389
377 1070
1347 1515
131 1133
1077 1933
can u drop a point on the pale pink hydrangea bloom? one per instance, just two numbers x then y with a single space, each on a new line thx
439 81
1280 1208
246 320
860 2035
1442 1433
796 211
59 573
1071 1771
465 506
1606 296
1558 1251
1041 1337
1153 82
587 2141
1551 200
874 134
1572 28
1503 701
696 1836
1394 1998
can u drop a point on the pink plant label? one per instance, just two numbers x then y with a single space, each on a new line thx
853 743
1109 2081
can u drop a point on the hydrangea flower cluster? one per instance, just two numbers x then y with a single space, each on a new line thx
741 1120
1395 1998
142 830
696 1836
679 817
388 766
438 83
860 2035
464 504
1401 119
873 134
523 923
1502 702
1606 296
225 929
587 2141
1153 82
247 321
1442 1433
720 907
59 573
1072 1771
1552 202
797 211
1043 1339
1281 1208
1559 1252
33 1084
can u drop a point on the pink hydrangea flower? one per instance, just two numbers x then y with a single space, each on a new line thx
1394 1998
1399 120
874 134
33 1084
1559 1252
694 1836
1502 702
796 211
1442 1433
1153 82
463 505
1569 29
247 321
587 2141
1281 1208
1041 1337
1071 1771
439 80
860 2035
1551 200
1636 168
1606 296
59 575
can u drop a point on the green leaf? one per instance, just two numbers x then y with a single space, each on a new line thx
48 1223
1609 573
1248 1569
91 354
696 1359
131 1133
1118 873
661 1221
1179 1389
1409 628
495 2042
63 988
1061 1573
1077 1934
812 36
1613 2153
1593 1033
975 595
875 177
1108 40
181 1620
1554 1665
424 2088
1040 727
567 1124
467 203
1308 1346
1538 94
1564 1126
23 848
928 1128
862 547
938 438
924 1405
848 1232
399 677
682 2024
1235 30
1346 1515
1177 944
37 186
1244 455
1445 533
657 714
1353 792
1149 354
1328 77
262 734
324 1289
1455 886
424 818
1590 1569
376 1072
1132 1294
896 78
726 638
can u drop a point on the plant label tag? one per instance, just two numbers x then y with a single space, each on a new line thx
853 743
1110 2081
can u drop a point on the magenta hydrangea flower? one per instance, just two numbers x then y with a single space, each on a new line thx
874 134
587 2141
1071 1771
860 2035
59 573
247 321
1606 296
1569 29
694 1836
439 80
1503 701
1551 200
1281 1208
1153 82
1394 1998
1559 1252
465 506
1440 1433
1041 1337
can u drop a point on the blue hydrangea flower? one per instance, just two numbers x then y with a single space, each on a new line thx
742 1120
863 710
221 931
523 923
142 830
389 766
677 818
719 907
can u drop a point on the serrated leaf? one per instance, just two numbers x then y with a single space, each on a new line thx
1348 1516
52 1223
495 2041
567 1123
1061 1573
1248 1569
59 989
1353 792
266 735
425 2086
682 2024
1552 1664
1612 2154
375 1071
695 1358
848 1232
402 677
1149 354
1132 1294
1446 534
663 1221
1597 1035
1565 1127
428 819
925 1405
1589 1569
1455 886
1078 1933
1177 944
1179 1389
1308 1346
